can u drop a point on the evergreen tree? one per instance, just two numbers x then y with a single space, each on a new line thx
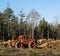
43 27
21 24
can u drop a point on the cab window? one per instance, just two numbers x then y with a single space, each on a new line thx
25 37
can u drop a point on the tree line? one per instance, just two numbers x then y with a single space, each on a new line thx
32 25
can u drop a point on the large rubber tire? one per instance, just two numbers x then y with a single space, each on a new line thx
18 45
32 44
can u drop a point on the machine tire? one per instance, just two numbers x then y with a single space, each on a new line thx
32 44
18 45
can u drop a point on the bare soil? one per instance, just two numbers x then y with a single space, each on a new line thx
29 52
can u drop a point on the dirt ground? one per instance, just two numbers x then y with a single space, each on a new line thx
29 52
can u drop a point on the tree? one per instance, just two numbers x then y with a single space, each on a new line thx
8 14
2 26
48 31
21 24
58 31
32 17
42 28
36 36
53 31
14 26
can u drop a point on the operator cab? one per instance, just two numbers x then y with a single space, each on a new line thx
25 37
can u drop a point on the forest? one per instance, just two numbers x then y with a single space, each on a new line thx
32 24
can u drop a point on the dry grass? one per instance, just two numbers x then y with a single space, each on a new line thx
28 52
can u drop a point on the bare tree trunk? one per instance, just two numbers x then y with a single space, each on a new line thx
3 33
8 26
42 33
32 30
48 34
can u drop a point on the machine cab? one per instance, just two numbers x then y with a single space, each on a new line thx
24 39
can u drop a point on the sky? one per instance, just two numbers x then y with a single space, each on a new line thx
49 9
